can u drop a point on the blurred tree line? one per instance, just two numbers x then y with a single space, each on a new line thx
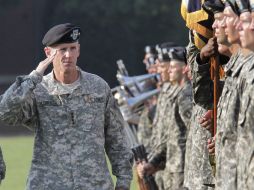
111 29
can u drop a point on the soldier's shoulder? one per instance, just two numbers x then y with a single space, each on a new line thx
93 82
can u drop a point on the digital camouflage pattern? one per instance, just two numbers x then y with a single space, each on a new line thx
2 166
227 117
179 121
157 124
145 128
245 129
197 170
173 132
72 132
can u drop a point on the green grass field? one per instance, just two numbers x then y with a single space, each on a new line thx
17 155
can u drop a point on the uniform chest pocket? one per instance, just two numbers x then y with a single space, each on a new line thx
91 112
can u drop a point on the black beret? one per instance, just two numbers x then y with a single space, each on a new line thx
251 5
62 33
213 6
178 53
151 50
162 48
233 5
163 57
243 5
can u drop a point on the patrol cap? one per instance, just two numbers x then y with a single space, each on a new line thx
213 6
178 53
243 5
62 33
233 5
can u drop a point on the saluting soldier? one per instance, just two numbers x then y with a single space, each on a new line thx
75 118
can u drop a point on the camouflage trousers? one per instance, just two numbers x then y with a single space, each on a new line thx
159 179
173 181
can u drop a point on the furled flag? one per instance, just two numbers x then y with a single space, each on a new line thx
197 20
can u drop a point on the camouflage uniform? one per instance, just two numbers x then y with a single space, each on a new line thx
72 132
145 128
172 150
2 166
245 129
197 169
157 124
227 117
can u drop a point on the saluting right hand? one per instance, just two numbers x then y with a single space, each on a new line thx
43 65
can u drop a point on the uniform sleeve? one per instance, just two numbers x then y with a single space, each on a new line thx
185 106
2 166
116 145
202 84
17 104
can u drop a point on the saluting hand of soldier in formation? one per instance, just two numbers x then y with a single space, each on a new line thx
209 50
43 65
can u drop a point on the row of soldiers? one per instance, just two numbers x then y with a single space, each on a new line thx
184 152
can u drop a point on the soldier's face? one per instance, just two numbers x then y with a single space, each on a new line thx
231 22
66 57
176 71
163 71
245 31
219 28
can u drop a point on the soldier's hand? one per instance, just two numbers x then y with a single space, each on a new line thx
43 65
140 169
211 145
209 50
206 120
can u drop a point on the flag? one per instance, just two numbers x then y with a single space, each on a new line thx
197 20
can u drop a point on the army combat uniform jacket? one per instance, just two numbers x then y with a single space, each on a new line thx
197 169
165 92
245 128
227 118
72 132
172 151
2 166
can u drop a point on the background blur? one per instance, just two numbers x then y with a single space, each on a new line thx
111 30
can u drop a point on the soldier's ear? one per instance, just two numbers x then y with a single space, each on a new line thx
47 51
